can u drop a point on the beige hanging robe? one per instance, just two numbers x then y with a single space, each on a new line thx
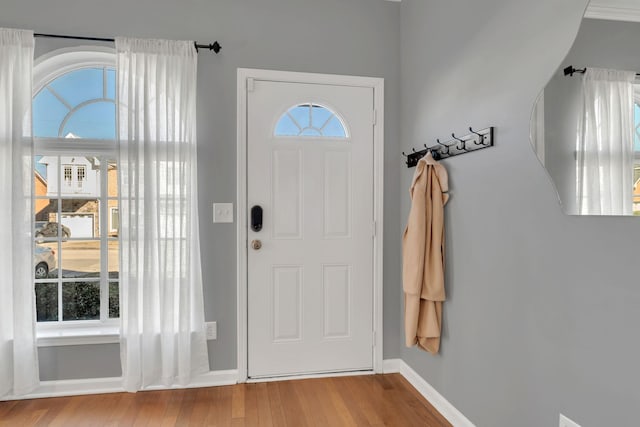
423 256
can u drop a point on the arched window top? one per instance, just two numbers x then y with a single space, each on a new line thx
311 120
75 95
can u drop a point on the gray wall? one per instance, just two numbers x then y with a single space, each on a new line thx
542 308
356 37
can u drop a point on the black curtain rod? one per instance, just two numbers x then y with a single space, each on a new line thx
570 71
215 46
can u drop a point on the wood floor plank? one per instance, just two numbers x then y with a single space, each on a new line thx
52 407
5 408
370 400
66 416
251 405
347 400
172 409
293 410
263 405
275 405
220 410
334 408
359 391
309 396
237 401
186 408
435 417
200 408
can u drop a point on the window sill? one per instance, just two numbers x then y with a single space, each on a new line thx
78 336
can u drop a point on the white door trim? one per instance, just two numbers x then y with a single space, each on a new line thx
377 84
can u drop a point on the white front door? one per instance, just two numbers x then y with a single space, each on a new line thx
310 275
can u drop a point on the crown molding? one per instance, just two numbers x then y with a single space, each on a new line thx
616 11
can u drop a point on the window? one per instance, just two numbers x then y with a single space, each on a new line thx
67 175
114 220
75 205
81 174
311 120
74 177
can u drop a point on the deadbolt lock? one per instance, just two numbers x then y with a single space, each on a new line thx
256 244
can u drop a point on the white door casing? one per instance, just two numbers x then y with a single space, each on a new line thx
313 291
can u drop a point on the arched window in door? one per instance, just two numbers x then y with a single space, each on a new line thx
311 120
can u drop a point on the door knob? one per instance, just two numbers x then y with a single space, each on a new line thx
256 244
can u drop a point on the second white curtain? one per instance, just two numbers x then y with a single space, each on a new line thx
162 315
605 143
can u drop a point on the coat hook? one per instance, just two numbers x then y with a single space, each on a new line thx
464 144
444 145
404 154
480 139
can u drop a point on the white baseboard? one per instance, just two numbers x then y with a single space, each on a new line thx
391 366
439 402
114 385
72 388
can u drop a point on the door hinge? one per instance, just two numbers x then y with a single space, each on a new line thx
374 231
373 341
375 117
250 84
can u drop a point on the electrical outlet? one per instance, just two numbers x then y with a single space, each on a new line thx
566 422
223 212
212 330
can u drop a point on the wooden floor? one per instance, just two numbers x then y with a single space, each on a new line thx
371 400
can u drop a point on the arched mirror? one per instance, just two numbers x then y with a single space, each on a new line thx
585 126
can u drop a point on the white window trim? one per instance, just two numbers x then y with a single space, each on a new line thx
60 61
78 333
47 68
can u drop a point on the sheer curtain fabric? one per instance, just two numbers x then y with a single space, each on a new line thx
18 350
605 143
163 340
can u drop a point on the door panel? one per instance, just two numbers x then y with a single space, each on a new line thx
310 285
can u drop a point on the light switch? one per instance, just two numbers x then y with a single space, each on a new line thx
211 329
223 212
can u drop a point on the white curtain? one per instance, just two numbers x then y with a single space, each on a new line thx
18 350
163 338
605 143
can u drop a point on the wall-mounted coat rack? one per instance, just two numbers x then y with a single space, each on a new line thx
476 140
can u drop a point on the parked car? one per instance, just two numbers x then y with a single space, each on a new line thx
44 260
50 229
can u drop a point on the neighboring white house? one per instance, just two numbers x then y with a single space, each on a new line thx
77 181
80 176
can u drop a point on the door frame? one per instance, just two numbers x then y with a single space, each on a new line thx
245 77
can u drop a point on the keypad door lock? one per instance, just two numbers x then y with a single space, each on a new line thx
256 218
